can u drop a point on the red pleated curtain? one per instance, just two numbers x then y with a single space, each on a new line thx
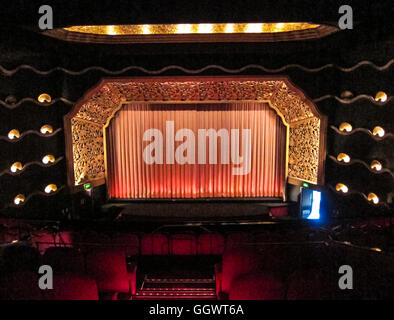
260 141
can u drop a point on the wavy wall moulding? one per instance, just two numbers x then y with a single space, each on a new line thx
84 125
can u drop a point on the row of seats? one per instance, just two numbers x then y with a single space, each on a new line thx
77 275
146 244
161 243
301 273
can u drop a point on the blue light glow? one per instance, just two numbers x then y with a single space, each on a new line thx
316 199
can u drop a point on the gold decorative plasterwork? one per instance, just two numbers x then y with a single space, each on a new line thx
87 119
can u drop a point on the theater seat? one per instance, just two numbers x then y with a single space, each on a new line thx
70 287
257 286
183 244
64 260
109 269
236 262
210 243
20 286
128 242
20 258
154 244
43 240
237 239
312 284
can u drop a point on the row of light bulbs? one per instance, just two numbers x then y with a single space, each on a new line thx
341 187
15 133
20 198
375 164
347 127
17 166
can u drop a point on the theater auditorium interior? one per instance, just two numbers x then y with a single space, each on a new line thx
206 150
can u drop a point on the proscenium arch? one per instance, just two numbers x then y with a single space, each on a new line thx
84 124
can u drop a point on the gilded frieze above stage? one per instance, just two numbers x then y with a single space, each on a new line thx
90 116
101 105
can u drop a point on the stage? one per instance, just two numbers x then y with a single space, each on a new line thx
210 210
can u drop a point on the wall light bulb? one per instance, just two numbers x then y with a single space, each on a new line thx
14 134
16 166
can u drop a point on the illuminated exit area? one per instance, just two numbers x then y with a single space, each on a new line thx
311 201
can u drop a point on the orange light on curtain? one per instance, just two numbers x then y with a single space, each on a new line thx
221 150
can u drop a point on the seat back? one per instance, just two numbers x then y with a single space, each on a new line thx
20 258
257 286
71 287
64 260
210 243
20 286
183 244
109 269
154 244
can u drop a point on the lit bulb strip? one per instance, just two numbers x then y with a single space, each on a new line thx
36 193
365 164
32 100
25 166
353 100
186 28
364 130
354 192
28 132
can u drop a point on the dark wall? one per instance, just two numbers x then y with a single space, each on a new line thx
371 40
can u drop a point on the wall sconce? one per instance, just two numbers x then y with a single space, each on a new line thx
345 127
14 134
48 159
373 197
341 187
381 96
343 157
19 199
44 98
378 131
16 166
376 165
46 129
50 188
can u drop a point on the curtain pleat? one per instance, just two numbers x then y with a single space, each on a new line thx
130 177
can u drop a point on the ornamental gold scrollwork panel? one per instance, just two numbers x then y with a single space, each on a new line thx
93 113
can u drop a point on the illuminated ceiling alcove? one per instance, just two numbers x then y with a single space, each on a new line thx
203 32
84 125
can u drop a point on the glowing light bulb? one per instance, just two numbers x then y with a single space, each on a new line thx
50 188
381 96
376 165
343 157
44 98
184 28
16 166
146 29
229 28
46 129
14 134
111 30
345 127
19 199
48 158
378 131
254 27
205 28
342 187
373 197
